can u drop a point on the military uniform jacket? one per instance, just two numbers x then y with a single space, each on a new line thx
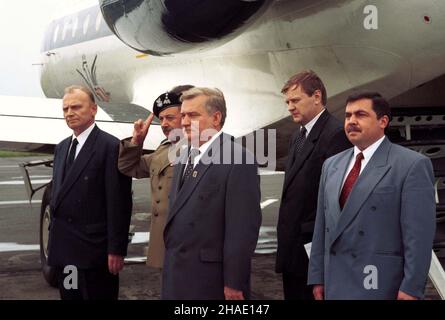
155 166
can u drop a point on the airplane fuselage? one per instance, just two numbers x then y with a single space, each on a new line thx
330 37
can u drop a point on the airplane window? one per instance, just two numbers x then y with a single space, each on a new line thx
85 24
75 23
65 29
56 33
98 21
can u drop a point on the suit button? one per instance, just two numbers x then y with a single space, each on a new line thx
373 208
70 220
353 255
361 232
327 229
333 252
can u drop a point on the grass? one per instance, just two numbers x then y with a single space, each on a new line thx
12 154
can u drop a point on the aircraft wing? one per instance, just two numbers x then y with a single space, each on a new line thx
37 125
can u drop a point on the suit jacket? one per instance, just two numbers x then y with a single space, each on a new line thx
388 223
213 225
299 197
91 207
158 168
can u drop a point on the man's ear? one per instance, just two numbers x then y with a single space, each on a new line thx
217 117
94 107
384 121
317 96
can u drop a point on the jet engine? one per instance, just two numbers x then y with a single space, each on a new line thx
163 27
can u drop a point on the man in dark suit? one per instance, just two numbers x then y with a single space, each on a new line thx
214 213
318 137
90 205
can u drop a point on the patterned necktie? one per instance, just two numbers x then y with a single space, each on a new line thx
351 179
189 168
70 159
299 142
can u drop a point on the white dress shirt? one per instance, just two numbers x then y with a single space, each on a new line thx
311 123
82 138
367 155
203 148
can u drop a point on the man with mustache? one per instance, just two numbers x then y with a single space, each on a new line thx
318 137
156 165
376 213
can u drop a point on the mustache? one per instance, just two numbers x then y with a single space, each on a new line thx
166 129
352 128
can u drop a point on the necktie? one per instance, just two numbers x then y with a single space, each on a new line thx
191 161
350 180
299 142
71 156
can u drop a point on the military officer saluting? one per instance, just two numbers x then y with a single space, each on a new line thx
156 165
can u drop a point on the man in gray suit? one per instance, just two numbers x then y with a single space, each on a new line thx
214 212
375 219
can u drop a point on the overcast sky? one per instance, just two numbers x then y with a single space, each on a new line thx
21 32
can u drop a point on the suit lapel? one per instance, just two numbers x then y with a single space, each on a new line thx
60 164
79 164
308 147
190 184
337 177
374 171
177 176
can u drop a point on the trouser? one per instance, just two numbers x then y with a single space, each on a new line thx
92 284
295 287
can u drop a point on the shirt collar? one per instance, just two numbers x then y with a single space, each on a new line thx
203 148
81 138
311 123
369 151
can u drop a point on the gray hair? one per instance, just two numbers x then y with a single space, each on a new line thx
72 88
215 100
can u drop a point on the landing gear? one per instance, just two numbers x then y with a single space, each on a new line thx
45 217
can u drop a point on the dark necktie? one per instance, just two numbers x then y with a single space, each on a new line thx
189 168
299 142
350 180
71 156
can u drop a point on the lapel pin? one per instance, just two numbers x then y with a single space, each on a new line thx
195 173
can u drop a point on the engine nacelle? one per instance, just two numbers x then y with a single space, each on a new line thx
162 27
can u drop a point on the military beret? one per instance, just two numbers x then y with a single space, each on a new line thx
164 101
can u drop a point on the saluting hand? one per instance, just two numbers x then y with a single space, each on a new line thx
141 129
